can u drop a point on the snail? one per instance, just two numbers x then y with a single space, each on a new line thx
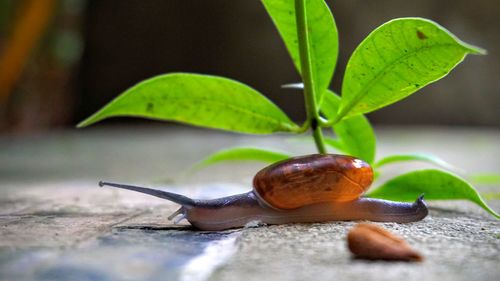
311 188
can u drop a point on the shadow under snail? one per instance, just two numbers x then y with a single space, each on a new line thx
311 188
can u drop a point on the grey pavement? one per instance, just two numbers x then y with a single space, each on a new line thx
57 224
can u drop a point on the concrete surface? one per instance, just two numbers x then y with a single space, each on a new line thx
56 224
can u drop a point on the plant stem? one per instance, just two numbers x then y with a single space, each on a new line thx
307 75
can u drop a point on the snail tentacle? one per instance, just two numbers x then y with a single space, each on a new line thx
182 211
174 197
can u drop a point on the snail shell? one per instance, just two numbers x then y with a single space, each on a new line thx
311 188
310 179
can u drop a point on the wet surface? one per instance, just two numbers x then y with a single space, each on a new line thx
126 253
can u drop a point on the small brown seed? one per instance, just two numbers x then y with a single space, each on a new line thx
368 241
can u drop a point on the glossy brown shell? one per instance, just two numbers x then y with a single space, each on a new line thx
309 179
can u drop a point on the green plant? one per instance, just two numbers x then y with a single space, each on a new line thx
394 61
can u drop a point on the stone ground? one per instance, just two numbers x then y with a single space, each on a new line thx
57 224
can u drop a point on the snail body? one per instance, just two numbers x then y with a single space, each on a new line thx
311 188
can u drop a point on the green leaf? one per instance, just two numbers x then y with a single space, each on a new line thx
335 143
200 100
491 195
432 159
242 153
355 134
435 184
323 37
485 178
397 59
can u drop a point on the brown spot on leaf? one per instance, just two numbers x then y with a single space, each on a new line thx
368 241
421 35
150 107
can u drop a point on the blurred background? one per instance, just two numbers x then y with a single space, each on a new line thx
61 60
